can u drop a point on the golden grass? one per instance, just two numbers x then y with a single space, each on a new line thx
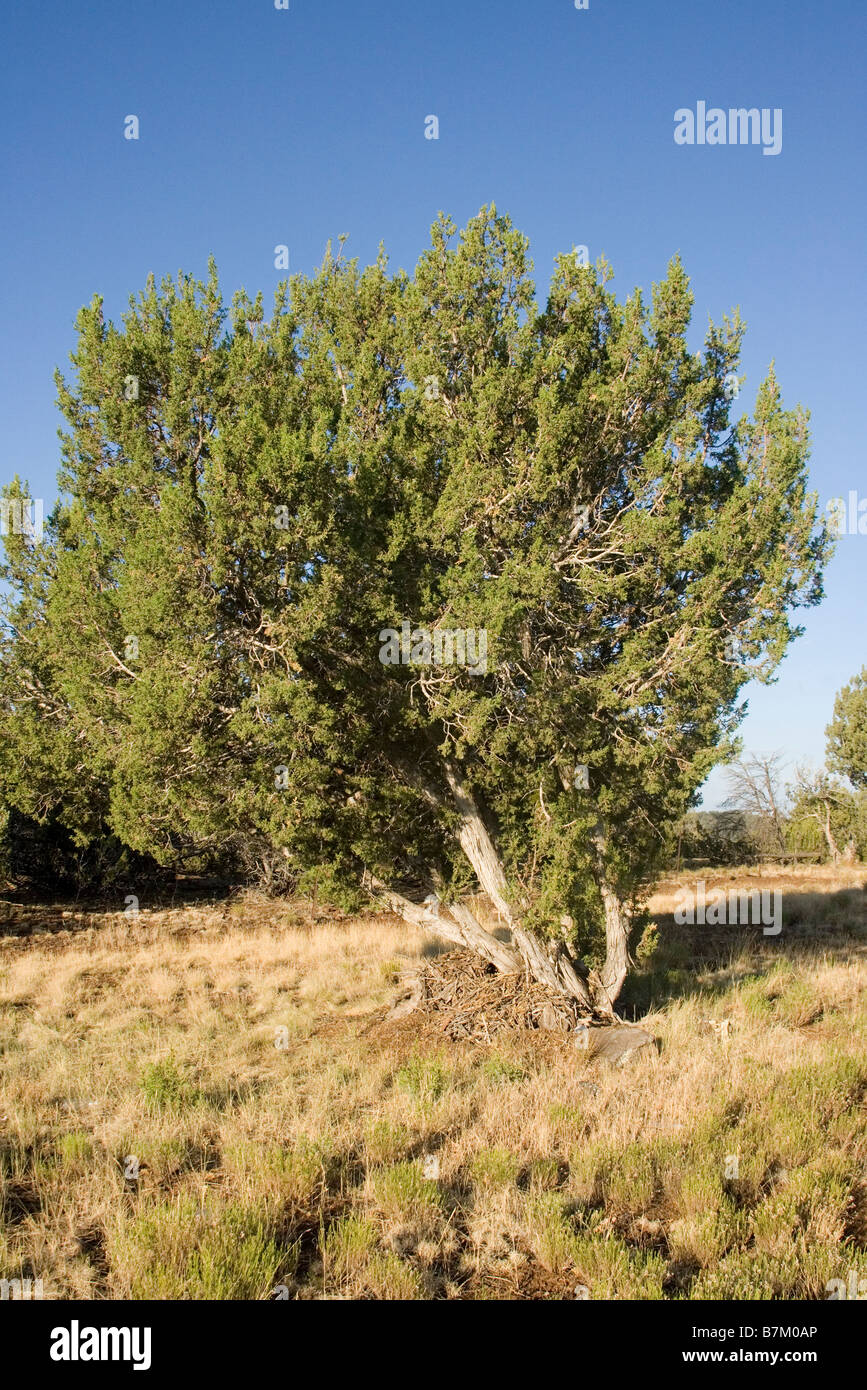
190 1108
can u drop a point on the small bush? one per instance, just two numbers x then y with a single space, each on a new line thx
74 1148
348 1246
185 1251
424 1078
385 1142
167 1088
295 1174
403 1192
494 1168
548 1232
611 1270
501 1070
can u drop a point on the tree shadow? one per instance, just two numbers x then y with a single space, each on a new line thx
706 960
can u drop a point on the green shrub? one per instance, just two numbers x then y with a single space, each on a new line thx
425 1078
187 1251
494 1168
167 1088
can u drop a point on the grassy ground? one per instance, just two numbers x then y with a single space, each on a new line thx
191 1108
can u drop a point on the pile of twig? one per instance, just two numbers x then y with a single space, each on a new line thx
467 998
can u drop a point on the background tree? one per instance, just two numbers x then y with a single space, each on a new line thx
755 785
847 732
840 810
200 626
715 838
819 797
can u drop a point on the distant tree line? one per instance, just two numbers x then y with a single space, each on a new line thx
821 814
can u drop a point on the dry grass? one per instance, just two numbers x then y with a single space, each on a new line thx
191 1108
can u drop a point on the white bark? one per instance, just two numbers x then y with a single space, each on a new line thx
617 924
558 973
454 922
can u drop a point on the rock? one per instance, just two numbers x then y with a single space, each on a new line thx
617 1042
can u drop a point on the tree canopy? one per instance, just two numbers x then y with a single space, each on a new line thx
192 653
847 732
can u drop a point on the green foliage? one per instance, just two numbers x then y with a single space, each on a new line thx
827 813
43 853
295 1173
500 1071
612 1269
494 1168
166 1086
402 1191
384 1142
75 1148
424 1078
191 655
234 1254
352 1261
348 1245
648 943
847 732
717 837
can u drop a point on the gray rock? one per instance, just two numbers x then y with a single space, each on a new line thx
617 1043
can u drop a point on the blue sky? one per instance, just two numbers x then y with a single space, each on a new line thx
260 127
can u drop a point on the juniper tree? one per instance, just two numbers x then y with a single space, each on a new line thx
847 732
822 799
823 796
249 504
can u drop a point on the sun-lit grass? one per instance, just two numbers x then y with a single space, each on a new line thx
191 1107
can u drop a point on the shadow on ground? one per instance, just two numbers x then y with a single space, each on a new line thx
706 960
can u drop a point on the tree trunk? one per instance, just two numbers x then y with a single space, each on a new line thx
551 967
549 963
616 965
833 849
617 922
455 923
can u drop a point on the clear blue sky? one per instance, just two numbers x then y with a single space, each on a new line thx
261 127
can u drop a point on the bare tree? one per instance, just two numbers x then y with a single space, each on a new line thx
755 785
